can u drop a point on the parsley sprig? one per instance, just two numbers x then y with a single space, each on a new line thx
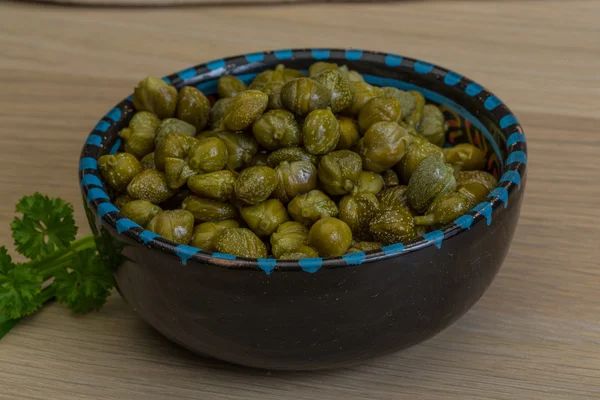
60 267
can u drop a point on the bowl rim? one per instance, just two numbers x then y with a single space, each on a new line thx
95 197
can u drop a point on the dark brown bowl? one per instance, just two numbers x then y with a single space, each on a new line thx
319 313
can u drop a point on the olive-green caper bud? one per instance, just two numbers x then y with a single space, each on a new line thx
433 126
244 109
299 253
140 211
229 86
330 237
121 200
320 67
417 152
386 109
177 172
349 133
357 211
216 185
193 107
288 237
476 185
206 233
155 95
432 178
310 207
293 179
147 162
303 95
414 119
370 182
175 225
119 169
390 178
290 154
264 218
363 246
407 100
444 209
241 147
150 185
276 129
240 242
209 154
339 171
174 125
174 145
394 196
217 112
205 210
363 92
342 93
290 74
393 225
383 146
351 75
321 132
465 157
138 137
255 184
270 83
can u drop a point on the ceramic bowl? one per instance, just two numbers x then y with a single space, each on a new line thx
318 313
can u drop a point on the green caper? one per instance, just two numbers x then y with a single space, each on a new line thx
229 86
407 100
465 157
177 172
342 93
321 132
293 179
288 237
290 74
351 75
339 171
383 145
290 154
175 225
155 95
138 137
276 129
320 67
310 207
303 95
357 211
175 145
431 178
414 119
363 246
330 237
193 107
240 242
205 233
209 155
216 185
368 182
244 109
363 92
299 253
349 133
445 208
174 125
393 225
150 185
264 218
416 153
255 184
140 211
476 185
390 178
433 126
205 210
119 169
393 197
217 112
121 200
147 162
241 147
387 109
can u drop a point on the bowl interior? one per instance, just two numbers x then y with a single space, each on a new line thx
474 115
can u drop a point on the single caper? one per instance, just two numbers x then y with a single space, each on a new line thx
229 86
363 92
174 125
321 132
193 107
175 145
209 155
138 137
241 147
240 242
290 154
417 152
330 237
121 200
216 185
293 179
407 100
244 109
433 126
370 182
276 129
342 93
357 211
390 178
205 233
264 218
150 185
465 157
310 207
119 169
351 75
431 178
394 196
363 247
393 225
387 109
339 171
476 185
208 210
217 112
290 74
445 208
320 67
175 225
140 211
383 145
414 119
299 253
177 172
349 133
147 162
288 237
255 184
155 95
303 95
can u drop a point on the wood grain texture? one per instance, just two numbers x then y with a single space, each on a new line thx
534 335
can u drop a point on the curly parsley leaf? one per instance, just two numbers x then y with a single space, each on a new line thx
87 285
47 225
20 286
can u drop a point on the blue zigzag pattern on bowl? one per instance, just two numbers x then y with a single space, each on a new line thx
511 177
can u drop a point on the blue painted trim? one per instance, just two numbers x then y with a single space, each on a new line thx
484 209
102 126
393 248
224 256
507 121
267 264
473 89
311 265
515 138
517 156
353 55
320 54
187 73
491 103
283 54
355 258
94 140
392 60
116 147
147 236
452 78
185 252
91 180
166 79
105 208
114 114
217 64
465 221
88 163
423 67
125 224
512 176
436 237
97 194
501 194
130 97
255 57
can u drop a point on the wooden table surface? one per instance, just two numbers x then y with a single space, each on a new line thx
534 335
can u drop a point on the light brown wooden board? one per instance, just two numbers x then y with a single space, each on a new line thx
534 335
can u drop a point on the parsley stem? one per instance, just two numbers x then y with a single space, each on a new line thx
86 242
44 297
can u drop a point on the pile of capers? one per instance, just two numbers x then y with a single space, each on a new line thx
292 166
